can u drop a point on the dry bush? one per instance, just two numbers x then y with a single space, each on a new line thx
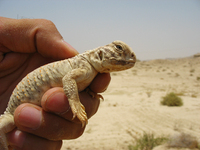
114 74
194 95
149 93
182 140
177 75
192 70
147 142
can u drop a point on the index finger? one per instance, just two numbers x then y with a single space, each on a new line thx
33 35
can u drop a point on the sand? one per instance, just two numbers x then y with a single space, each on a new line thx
132 105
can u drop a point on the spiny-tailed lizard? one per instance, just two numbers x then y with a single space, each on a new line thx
74 75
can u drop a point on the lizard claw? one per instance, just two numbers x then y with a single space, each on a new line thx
93 94
78 111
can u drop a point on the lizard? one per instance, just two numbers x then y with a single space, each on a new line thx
73 74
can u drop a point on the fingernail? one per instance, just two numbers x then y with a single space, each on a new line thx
16 139
57 102
30 117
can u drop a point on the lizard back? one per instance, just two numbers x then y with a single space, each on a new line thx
32 87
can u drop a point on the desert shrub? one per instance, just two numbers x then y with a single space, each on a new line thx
198 78
192 70
194 95
172 99
149 93
177 75
114 73
179 93
147 142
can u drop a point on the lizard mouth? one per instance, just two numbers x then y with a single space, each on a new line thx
115 61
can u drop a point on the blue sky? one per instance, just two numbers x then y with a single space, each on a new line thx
155 29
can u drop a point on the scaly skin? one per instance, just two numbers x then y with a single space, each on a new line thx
74 75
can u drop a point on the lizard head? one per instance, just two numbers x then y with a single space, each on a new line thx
115 56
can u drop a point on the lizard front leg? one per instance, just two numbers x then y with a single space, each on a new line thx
71 90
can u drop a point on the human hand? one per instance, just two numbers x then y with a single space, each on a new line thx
26 44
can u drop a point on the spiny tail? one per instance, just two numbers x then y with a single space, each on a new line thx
6 125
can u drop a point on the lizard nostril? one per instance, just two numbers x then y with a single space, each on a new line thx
133 56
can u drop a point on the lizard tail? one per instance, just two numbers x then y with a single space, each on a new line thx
6 125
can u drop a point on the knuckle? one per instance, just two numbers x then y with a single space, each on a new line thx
66 133
44 23
74 133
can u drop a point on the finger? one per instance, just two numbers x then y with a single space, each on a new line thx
20 140
32 119
31 35
100 82
55 100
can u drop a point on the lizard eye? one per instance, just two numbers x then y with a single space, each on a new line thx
119 48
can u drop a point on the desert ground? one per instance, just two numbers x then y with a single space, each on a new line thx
132 106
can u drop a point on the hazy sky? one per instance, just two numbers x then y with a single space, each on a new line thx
153 28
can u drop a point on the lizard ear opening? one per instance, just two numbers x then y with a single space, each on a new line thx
101 55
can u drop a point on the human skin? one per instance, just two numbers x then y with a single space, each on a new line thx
26 44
